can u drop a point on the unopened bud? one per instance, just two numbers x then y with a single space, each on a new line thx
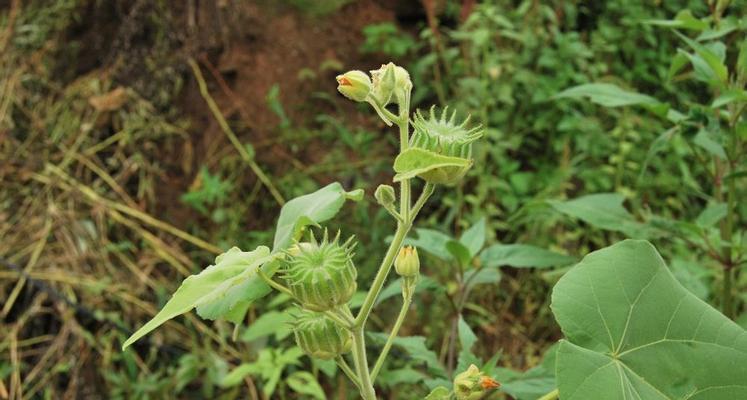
382 85
407 263
355 85
473 384
385 195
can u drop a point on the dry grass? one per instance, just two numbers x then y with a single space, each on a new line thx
83 249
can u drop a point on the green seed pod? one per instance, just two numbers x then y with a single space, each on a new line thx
447 138
355 85
319 336
321 275
385 195
407 263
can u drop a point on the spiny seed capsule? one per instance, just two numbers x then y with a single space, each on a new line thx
319 336
321 275
444 137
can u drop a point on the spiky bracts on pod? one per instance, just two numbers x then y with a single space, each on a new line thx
321 274
319 336
444 136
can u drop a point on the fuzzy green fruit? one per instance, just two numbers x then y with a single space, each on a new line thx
321 275
319 336
449 139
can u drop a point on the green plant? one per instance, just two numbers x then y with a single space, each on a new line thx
320 276
713 132
628 322
467 263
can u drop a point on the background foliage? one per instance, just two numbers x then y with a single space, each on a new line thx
118 179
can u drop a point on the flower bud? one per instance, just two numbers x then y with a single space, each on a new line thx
383 81
355 85
391 84
385 195
321 275
472 384
407 263
319 336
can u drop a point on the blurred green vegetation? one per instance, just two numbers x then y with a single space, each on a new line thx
116 181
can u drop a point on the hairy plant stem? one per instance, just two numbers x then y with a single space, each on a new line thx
348 371
403 227
361 364
406 301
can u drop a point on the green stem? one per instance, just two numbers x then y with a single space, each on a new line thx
551 396
361 364
349 372
728 306
393 334
378 283
428 190
404 144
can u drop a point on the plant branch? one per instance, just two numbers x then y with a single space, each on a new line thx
378 283
407 300
424 196
348 371
361 364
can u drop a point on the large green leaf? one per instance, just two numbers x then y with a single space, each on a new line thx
522 256
216 290
605 211
633 332
607 95
310 209
415 161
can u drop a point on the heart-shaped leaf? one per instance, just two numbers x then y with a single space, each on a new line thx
216 290
633 332
310 209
